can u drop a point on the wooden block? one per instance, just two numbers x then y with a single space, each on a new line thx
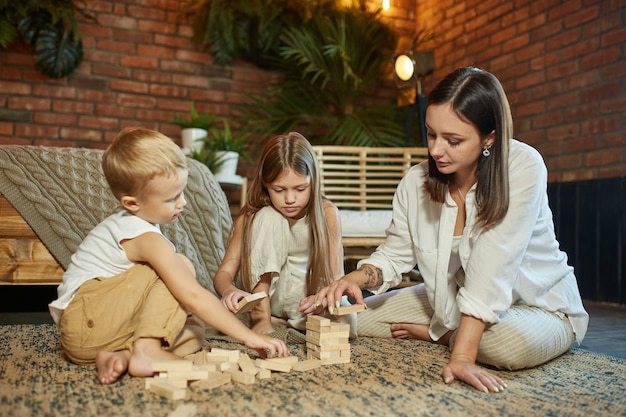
209 367
192 375
216 359
246 365
325 342
343 310
326 335
286 359
307 365
318 320
339 327
273 366
241 377
263 373
224 366
173 365
184 410
215 379
248 303
167 390
328 348
231 354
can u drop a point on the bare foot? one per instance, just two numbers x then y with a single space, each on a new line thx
145 352
263 327
111 365
416 331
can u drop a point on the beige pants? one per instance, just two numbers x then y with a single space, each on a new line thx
110 314
525 336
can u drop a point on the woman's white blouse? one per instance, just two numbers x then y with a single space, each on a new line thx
517 261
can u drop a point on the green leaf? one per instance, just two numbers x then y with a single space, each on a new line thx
57 53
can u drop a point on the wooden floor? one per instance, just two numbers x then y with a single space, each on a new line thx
606 333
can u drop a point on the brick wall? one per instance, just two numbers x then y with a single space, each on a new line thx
563 65
561 62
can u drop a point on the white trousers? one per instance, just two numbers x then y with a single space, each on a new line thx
525 336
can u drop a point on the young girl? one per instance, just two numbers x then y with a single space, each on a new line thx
475 219
287 240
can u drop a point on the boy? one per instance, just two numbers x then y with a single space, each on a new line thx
124 298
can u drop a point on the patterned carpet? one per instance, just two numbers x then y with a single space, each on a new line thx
384 378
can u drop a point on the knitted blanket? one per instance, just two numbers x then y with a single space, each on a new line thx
62 194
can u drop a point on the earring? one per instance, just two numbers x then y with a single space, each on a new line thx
486 152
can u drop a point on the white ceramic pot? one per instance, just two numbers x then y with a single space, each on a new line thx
226 172
190 138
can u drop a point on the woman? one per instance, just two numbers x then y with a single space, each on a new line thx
476 221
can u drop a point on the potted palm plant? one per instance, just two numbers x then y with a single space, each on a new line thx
194 128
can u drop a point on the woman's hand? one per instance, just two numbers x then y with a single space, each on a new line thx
331 296
473 375
231 298
309 306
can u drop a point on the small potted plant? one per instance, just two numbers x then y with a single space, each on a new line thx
193 128
221 152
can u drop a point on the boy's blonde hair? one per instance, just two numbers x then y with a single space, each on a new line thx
136 156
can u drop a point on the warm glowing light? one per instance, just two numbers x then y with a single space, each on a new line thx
404 67
386 4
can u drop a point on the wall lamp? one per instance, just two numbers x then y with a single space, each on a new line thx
409 69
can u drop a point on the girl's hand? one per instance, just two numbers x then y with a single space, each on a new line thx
267 347
308 306
231 298
473 375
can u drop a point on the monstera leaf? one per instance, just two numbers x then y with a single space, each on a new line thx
30 25
57 52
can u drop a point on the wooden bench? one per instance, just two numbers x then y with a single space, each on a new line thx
362 181
23 257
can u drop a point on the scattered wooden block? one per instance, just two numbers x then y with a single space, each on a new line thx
241 377
246 365
167 390
248 303
184 410
215 379
286 359
193 375
343 310
231 354
263 373
173 365
273 366
307 365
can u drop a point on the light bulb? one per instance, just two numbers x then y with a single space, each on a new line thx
404 67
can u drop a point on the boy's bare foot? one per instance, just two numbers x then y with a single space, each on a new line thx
145 352
112 365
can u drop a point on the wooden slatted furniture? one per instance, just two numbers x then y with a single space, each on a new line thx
361 181
23 257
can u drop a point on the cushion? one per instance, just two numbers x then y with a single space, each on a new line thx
368 223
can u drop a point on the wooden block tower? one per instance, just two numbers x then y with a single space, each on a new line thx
327 340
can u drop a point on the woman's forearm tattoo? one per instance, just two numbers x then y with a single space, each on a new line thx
374 276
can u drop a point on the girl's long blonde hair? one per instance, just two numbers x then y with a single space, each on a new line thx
289 151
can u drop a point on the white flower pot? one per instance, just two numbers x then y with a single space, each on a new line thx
190 138
226 172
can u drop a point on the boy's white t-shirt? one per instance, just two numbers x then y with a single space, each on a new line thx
100 255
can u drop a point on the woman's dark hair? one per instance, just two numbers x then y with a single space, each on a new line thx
477 97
